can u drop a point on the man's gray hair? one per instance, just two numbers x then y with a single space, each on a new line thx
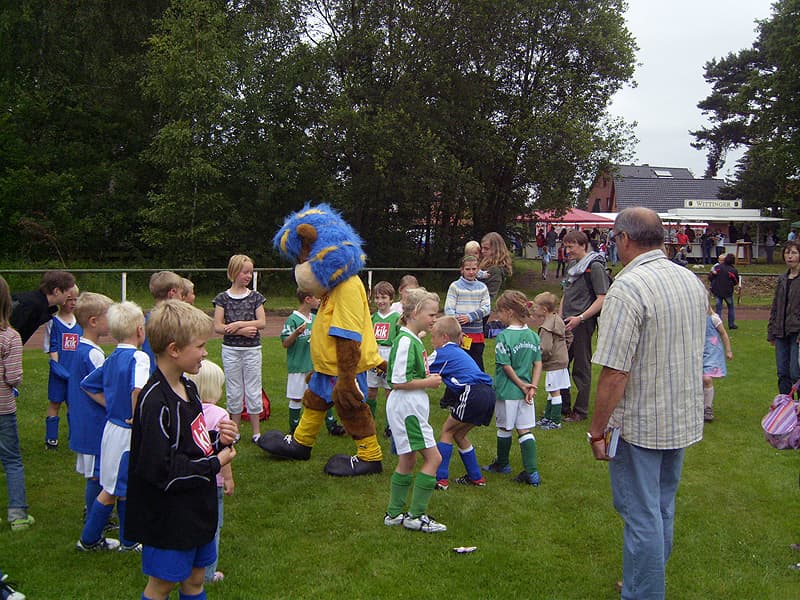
642 226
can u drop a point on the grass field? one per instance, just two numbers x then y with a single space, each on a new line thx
292 532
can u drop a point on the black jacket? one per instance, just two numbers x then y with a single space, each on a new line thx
172 489
784 316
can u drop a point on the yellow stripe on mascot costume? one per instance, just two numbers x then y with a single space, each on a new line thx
328 255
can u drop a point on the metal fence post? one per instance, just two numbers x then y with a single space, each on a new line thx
124 286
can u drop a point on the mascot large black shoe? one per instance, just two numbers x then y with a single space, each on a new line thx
343 347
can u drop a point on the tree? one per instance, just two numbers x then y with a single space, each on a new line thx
453 117
755 103
72 126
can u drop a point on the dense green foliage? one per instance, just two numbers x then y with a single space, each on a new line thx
187 130
755 103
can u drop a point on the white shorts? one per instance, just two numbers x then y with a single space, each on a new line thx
407 412
556 380
242 368
85 465
514 414
296 386
379 381
114 452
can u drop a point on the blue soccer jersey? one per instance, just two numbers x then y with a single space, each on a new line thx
125 370
86 417
61 338
456 367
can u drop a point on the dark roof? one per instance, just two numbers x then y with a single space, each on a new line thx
648 172
642 186
663 194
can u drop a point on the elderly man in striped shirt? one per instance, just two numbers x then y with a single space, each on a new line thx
650 347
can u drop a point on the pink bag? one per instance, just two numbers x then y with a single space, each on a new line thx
781 424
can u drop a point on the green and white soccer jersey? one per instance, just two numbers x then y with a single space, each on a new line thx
408 410
298 355
386 327
518 347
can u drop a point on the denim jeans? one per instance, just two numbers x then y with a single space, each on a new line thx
731 309
211 569
643 484
786 360
11 458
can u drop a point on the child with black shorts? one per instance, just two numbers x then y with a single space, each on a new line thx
469 396
174 459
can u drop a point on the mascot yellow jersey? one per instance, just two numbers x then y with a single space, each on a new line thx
350 320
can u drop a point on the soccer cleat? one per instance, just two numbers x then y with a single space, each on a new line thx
6 591
442 484
496 468
465 480
102 544
708 415
337 430
344 465
387 433
550 425
423 523
51 444
22 524
529 478
137 547
542 422
391 521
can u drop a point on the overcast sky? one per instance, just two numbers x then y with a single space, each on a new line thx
675 40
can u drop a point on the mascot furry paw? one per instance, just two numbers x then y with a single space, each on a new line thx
328 255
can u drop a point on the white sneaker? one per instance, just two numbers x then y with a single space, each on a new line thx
423 523
103 543
392 521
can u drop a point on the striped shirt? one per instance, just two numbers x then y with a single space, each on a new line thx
471 298
653 327
10 369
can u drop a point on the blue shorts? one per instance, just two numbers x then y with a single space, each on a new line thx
474 404
177 565
322 385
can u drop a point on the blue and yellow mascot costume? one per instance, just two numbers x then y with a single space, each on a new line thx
343 347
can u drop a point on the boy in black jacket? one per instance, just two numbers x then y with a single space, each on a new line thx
172 495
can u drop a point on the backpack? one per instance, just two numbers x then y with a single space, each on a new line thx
265 408
781 424
587 274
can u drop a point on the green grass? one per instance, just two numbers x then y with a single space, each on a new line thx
292 532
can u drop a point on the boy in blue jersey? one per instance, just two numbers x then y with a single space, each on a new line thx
469 396
175 459
116 384
61 336
165 285
86 417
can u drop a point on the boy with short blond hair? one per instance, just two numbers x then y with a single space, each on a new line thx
116 384
86 417
163 285
468 395
175 458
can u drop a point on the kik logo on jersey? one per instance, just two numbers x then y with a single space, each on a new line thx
200 435
69 342
382 331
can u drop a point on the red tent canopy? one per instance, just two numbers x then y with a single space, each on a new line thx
574 216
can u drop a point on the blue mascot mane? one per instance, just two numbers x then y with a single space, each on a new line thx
334 255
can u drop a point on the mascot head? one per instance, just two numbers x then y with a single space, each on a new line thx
325 248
